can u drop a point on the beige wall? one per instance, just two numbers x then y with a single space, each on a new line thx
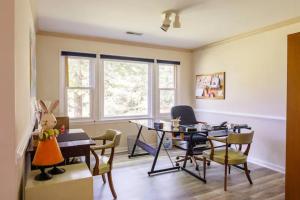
16 20
8 181
24 29
255 69
48 58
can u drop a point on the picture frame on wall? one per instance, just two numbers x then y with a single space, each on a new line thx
210 86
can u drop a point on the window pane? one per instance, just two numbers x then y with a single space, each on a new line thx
167 100
166 76
79 72
125 88
79 103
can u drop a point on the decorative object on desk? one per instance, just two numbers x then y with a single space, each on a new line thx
176 124
211 86
48 152
158 125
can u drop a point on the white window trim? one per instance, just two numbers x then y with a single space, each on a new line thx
101 94
63 89
175 89
97 94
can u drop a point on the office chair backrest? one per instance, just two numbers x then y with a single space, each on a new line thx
240 138
186 114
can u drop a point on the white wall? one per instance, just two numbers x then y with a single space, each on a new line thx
48 57
256 82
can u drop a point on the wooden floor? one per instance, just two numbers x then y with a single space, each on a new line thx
132 182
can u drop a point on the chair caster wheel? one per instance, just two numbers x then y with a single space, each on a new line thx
208 163
197 168
177 158
177 164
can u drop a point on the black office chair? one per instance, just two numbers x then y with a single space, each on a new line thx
187 117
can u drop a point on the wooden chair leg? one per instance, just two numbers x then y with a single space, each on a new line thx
247 173
182 160
111 186
103 178
208 163
225 178
96 167
204 168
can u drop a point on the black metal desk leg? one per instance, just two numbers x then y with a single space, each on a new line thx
157 151
137 138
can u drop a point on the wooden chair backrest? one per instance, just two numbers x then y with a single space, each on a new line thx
240 138
62 121
114 136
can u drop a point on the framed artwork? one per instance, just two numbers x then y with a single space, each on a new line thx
210 86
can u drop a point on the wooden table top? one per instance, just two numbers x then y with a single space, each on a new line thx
70 138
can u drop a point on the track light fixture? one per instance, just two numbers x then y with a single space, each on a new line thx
167 21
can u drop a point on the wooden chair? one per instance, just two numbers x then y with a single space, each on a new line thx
230 156
62 121
104 164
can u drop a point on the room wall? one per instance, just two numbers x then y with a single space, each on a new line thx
16 20
256 68
24 35
8 182
48 58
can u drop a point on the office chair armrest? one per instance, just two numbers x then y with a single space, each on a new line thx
218 139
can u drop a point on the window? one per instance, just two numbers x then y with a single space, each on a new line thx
115 87
167 87
126 88
79 83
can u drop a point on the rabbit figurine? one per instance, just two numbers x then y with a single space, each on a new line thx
48 120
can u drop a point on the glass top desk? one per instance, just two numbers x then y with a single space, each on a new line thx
167 128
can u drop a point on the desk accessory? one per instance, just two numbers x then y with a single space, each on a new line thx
158 125
48 152
176 124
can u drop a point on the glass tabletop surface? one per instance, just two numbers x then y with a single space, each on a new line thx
167 127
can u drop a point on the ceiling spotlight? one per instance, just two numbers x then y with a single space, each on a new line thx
167 20
176 23
166 23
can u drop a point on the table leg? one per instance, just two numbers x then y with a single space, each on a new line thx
157 151
135 143
153 171
87 158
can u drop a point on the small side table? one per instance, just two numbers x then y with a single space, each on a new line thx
75 184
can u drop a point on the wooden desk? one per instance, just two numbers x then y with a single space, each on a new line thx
167 128
72 143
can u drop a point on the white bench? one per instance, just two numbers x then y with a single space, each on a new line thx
75 184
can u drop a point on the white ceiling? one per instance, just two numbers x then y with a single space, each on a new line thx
203 21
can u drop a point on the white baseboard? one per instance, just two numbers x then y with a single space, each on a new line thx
268 165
